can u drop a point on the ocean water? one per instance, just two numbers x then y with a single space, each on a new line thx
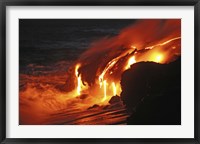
47 48
48 82
46 43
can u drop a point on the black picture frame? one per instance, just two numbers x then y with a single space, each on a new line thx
5 3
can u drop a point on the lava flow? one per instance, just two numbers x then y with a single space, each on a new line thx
103 64
96 75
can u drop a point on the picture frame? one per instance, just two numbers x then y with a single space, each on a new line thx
3 83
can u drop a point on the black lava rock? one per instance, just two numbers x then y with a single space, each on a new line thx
152 93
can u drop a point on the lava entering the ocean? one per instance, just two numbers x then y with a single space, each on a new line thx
95 77
104 62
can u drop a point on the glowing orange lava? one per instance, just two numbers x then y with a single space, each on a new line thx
164 43
105 90
130 62
78 89
159 58
96 75
114 89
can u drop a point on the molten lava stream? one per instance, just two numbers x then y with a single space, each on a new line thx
78 79
114 89
105 90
